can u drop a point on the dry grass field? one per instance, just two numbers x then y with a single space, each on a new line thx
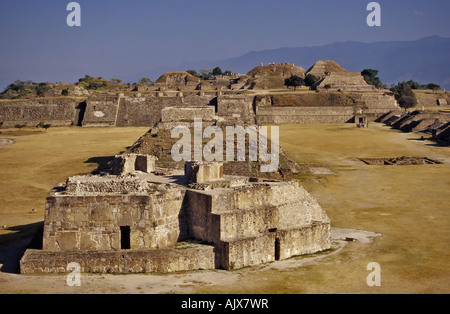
39 159
407 205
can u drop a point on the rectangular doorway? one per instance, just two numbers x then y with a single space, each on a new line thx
277 249
125 243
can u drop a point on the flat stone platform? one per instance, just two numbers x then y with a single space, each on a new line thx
185 256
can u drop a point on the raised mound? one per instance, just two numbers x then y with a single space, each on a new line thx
273 76
180 77
324 67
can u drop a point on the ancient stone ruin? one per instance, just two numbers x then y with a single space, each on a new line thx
239 98
136 220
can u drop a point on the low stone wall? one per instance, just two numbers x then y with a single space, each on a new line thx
101 111
184 257
282 115
236 107
57 112
173 114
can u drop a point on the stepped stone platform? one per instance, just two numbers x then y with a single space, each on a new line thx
137 221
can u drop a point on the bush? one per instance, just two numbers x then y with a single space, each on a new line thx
407 102
90 82
65 92
310 80
41 89
401 90
433 86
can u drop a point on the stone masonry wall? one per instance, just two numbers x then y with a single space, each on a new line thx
252 218
237 107
186 257
263 249
281 115
101 111
92 223
174 114
57 112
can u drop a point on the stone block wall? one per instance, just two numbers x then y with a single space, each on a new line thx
57 112
201 172
92 222
127 163
251 219
236 107
281 115
174 114
272 246
185 257
101 111
202 224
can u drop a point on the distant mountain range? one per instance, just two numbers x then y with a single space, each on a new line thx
425 60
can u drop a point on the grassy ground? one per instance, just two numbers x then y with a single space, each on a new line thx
408 205
39 159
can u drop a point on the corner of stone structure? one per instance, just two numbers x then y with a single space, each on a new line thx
202 171
127 163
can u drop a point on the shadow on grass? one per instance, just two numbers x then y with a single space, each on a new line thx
14 245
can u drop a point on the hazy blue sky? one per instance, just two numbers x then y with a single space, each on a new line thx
120 38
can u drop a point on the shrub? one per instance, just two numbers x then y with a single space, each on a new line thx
90 82
41 89
310 80
407 102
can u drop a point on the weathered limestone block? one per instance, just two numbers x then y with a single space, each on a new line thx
200 171
174 114
127 163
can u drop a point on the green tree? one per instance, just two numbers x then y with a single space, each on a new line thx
433 86
407 102
294 81
194 73
414 84
310 80
90 82
205 74
370 76
145 80
19 89
401 90
217 71
116 80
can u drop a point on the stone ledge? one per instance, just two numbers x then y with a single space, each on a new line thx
186 256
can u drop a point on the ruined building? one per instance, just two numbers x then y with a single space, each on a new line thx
136 219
